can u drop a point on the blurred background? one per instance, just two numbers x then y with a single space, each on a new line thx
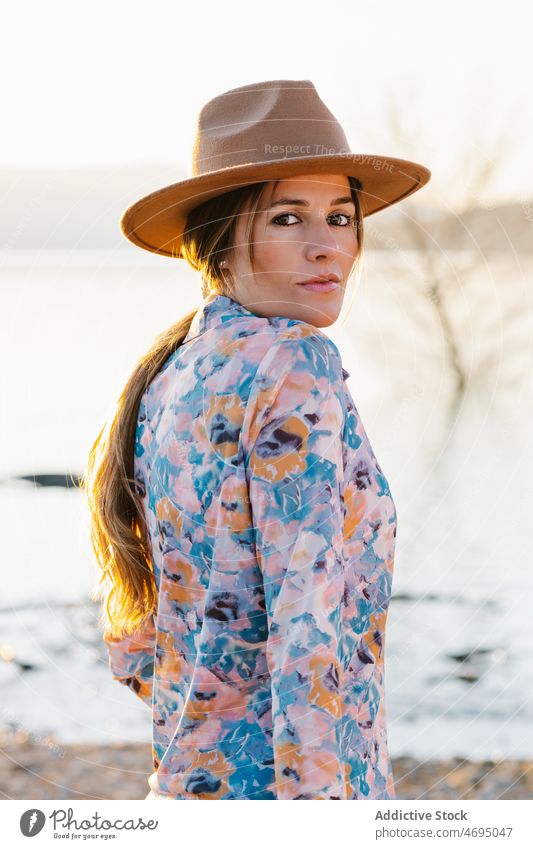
99 108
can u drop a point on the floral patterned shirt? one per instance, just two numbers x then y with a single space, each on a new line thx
272 530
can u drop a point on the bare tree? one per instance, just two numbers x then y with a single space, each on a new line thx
477 163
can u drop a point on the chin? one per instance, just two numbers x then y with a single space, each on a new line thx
321 316
324 321
322 310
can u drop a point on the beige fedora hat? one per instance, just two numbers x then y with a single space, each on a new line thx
264 131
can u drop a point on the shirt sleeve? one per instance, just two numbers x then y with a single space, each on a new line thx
294 466
131 659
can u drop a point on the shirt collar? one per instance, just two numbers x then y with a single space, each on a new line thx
214 310
217 309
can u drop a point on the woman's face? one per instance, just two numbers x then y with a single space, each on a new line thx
304 228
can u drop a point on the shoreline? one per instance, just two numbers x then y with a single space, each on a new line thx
46 769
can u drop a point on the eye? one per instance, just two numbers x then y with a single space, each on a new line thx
276 220
349 218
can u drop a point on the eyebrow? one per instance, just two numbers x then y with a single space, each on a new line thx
299 202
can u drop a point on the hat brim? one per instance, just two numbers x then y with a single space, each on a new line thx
156 222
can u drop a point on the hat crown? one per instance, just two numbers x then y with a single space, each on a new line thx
265 121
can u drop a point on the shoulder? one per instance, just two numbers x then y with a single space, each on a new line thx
299 347
299 380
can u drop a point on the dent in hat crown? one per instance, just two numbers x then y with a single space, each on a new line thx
265 121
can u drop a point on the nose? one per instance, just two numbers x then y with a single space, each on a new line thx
321 242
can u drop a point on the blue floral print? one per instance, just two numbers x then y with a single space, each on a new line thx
272 530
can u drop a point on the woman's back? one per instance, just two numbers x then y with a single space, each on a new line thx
272 533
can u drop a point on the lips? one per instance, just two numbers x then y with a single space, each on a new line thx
323 283
321 278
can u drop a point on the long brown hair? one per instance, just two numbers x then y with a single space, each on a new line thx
118 530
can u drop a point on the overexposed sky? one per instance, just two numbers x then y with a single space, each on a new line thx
121 82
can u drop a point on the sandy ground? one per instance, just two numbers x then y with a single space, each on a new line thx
33 768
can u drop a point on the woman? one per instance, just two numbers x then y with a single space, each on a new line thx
244 527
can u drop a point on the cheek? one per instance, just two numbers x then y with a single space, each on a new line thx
349 247
272 253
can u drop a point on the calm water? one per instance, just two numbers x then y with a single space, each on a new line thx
459 636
